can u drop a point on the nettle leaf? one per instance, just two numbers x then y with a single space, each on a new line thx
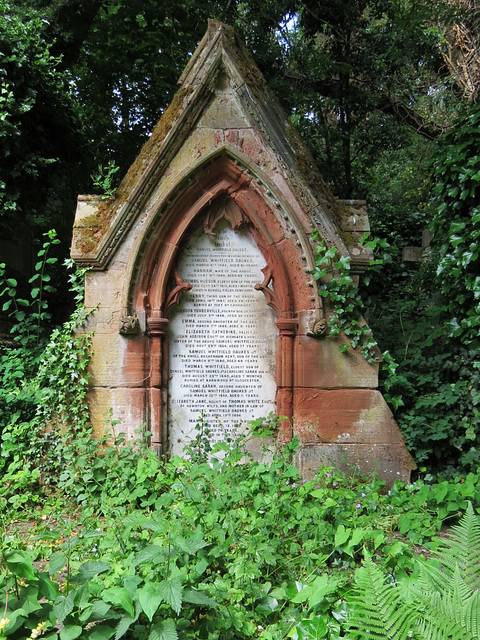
193 596
164 630
152 553
190 546
157 525
63 606
95 611
171 593
123 626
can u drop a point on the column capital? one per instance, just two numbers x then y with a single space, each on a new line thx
157 326
287 326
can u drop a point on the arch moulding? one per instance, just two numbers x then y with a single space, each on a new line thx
218 190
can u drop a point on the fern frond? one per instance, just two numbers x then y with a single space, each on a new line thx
450 613
378 612
462 549
427 631
472 614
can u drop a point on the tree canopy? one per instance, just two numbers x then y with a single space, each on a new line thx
383 92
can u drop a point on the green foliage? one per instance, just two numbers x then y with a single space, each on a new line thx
195 549
44 382
37 123
104 180
377 611
19 362
433 309
440 600
456 226
337 285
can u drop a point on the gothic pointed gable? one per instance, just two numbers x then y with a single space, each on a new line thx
221 88
205 254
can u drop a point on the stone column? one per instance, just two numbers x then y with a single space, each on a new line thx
157 388
287 328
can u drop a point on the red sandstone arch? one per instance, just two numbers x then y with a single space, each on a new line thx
219 189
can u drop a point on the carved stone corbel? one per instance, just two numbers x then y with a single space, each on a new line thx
317 328
128 326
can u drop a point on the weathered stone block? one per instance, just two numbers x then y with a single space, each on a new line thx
320 364
388 462
344 415
125 405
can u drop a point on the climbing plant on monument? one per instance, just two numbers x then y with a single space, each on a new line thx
436 316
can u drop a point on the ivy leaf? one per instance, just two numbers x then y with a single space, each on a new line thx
47 587
56 562
267 605
341 536
309 629
29 599
20 565
101 632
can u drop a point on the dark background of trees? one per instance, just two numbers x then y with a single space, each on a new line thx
382 91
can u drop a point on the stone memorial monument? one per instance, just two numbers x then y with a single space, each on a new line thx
201 278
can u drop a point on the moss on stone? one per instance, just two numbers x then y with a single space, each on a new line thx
95 226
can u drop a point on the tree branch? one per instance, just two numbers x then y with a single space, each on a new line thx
402 113
406 115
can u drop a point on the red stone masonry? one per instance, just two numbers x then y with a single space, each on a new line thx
225 151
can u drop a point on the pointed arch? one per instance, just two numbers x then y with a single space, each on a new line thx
223 176
219 189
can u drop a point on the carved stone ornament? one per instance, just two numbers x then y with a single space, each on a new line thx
174 296
227 209
128 325
269 293
317 328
